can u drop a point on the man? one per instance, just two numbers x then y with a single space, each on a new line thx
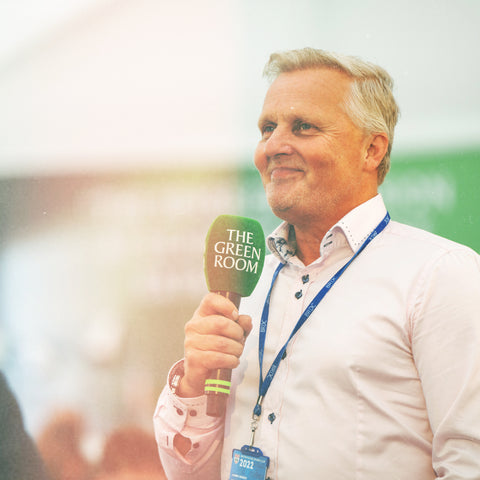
382 380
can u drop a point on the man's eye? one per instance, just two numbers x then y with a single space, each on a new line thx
267 130
304 126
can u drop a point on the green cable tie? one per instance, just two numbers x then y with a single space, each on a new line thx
225 383
217 389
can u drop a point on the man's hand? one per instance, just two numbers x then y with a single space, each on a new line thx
214 338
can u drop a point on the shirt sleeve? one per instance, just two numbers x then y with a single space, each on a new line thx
187 416
446 349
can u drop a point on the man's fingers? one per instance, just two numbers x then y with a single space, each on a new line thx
214 343
213 303
209 360
219 325
245 321
214 339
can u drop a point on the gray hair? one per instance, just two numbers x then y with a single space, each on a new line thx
370 105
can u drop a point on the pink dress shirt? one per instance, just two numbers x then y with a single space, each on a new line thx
382 382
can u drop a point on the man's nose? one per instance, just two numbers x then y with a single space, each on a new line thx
279 143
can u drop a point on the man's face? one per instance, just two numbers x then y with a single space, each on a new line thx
311 155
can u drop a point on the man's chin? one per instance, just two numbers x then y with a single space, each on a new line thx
282 210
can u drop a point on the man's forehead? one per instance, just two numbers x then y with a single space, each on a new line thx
311 80
305 89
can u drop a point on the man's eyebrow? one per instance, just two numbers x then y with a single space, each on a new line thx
264 119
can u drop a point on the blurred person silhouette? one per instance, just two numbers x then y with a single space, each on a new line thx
130 453
19 457
59 444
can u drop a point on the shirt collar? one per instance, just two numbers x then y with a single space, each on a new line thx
354 227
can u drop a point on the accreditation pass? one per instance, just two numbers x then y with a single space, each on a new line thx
249 464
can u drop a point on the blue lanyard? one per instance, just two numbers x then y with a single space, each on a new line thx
264 384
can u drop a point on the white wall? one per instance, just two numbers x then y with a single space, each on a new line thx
143 83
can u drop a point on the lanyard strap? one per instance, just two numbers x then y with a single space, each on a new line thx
264 384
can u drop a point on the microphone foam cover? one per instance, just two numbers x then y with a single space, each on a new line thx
234 255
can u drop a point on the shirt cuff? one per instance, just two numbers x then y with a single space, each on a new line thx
186 416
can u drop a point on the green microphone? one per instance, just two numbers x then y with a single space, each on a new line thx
233 261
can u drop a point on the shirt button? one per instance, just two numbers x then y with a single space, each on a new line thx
272 417
196 445
298 294
305 278
179 411
193 413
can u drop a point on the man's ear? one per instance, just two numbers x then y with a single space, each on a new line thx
377 147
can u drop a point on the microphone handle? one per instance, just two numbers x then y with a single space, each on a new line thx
217 387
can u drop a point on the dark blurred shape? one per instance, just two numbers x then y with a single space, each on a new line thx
59 445
19 458
130 453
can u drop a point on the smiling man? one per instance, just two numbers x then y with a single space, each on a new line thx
368 367
312 154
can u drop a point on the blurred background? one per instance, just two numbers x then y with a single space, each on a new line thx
127 126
